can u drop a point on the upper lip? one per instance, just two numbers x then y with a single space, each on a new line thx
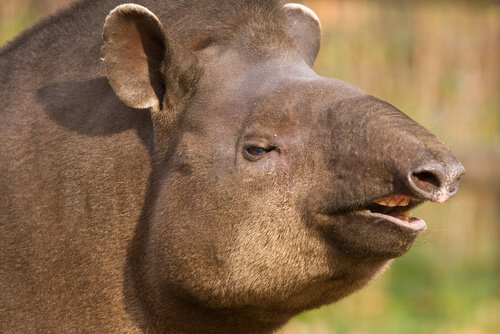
394 208
376 204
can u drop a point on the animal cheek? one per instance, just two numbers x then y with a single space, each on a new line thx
283 149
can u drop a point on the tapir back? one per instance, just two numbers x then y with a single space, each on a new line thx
74 169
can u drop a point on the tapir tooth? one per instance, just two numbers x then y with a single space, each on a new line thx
387 202
394 201
404 201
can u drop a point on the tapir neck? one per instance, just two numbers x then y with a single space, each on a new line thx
161 307
197 319
176 313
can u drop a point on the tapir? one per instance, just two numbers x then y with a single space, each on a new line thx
179 167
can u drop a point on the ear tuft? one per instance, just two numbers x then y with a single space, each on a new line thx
134 48
305 29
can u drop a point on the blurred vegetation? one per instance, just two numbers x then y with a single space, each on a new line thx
439 62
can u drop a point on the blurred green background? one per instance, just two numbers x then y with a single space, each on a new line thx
439 62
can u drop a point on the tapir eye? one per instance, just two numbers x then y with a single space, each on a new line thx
254 152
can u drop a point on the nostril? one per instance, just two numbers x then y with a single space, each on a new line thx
426 180
436 182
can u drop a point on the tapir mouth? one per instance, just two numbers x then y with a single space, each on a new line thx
395 209
383 228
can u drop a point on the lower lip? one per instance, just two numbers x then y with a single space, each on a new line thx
414 224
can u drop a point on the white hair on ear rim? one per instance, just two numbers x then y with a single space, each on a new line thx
305 29
133 8
306 10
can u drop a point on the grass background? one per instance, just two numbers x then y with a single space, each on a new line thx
439 62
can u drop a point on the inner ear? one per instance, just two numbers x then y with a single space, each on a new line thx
305 29
134 49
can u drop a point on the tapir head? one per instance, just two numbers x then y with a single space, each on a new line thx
274 188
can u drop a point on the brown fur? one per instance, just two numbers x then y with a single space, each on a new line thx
116 219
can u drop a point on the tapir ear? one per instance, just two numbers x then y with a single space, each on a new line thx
134 49
305 29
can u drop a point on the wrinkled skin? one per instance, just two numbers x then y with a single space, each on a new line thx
239 200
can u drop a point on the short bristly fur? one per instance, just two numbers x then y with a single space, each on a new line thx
178 167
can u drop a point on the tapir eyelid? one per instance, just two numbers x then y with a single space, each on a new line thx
255 152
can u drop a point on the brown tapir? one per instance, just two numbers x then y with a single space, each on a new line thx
190 172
